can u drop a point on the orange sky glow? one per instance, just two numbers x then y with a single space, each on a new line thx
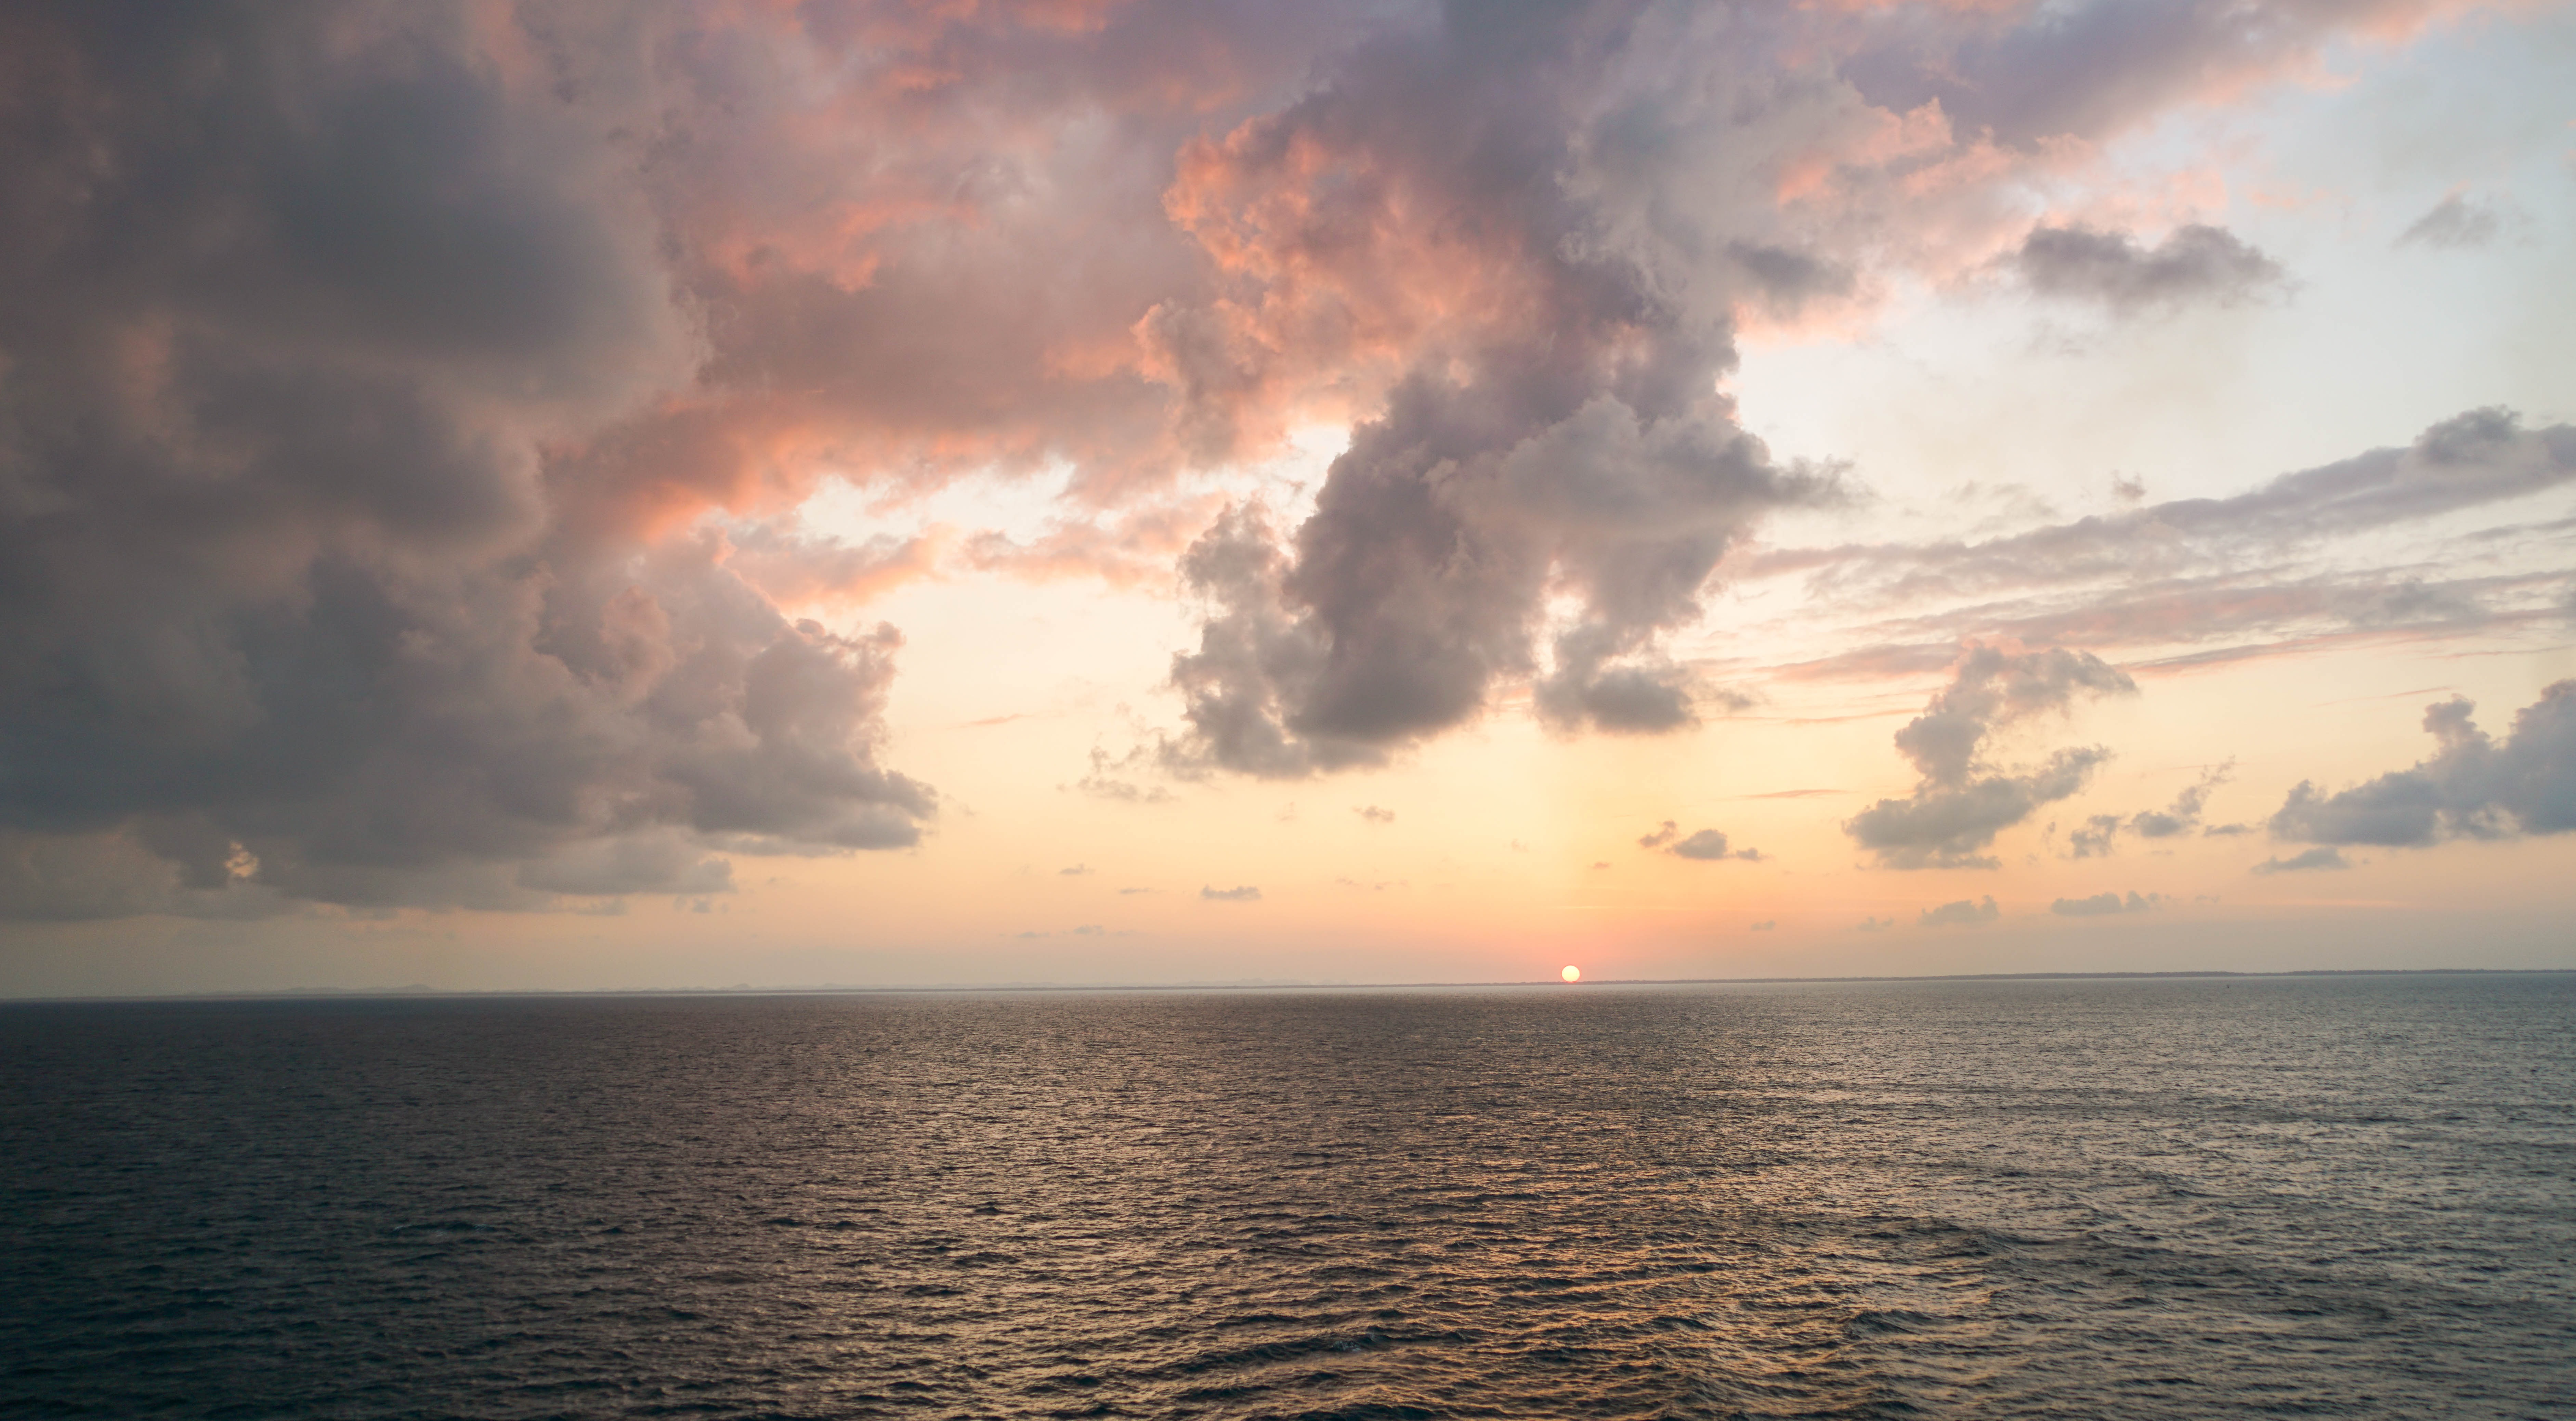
609 496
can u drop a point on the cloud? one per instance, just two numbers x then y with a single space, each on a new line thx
1961 914
2107 904
406 405
1962 799
1106 779
1708 845
2285 568
306 313
1243 894
2194 265
1876 925
2455 223
1075 871
2099 835
655 861
2325 858
115 874
1135 547
1766 925
2031 73
2471 787
1455 209
2481 456
789 566
1371 814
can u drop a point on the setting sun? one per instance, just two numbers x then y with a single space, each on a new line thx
789 704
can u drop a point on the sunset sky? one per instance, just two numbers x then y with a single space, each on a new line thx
619 495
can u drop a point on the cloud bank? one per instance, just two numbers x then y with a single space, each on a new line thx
404 407
298 307
2473 786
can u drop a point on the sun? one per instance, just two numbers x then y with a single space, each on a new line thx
1572 974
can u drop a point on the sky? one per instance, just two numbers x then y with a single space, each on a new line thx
571 496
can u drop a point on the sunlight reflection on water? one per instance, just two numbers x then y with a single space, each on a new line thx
2101 1199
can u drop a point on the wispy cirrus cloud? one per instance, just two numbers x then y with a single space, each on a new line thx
2381 547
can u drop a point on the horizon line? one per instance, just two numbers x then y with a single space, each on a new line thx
407 993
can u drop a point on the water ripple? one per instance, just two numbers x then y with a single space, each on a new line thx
2101 1200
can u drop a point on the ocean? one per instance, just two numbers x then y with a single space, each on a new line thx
2338 1196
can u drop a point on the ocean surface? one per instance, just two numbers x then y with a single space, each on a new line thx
2096 1199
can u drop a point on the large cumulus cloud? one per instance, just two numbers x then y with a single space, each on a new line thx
298 307
1484 206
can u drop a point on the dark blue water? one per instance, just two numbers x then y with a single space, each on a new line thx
2344 1197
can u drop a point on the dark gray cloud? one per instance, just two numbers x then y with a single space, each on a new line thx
2473 786
2102 905
2454 223
295 307
1965 913
1962 798
58 877
2312 860
653 861
2194 265
1560 433
1244 893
